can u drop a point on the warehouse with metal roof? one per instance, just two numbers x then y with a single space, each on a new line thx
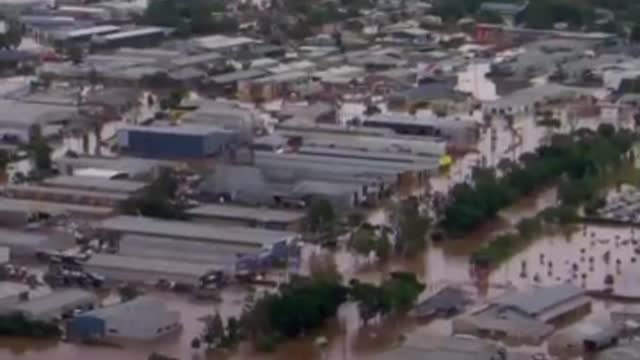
276 219
92 183
148 270
236 236
144 318
57 304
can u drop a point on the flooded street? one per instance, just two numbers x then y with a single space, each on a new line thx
578 257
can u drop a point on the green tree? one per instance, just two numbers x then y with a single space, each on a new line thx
75 54
12 37
489 17
371 300
233 332
383 247
162 13
40 154
634 36
404 289
321 215
128 292
323 268
363 241
213 331
412 227
157 200
529 227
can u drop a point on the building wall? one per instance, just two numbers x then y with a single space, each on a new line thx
163 145
132 327
85 326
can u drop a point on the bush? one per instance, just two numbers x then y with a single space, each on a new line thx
529 227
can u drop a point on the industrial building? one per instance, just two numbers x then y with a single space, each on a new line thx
176 142
25 243
57 304
286 186
233 238
96 184
18 212
22 122
387 142
150 247
5 255
374 170
144 318
110 167
141 37
275 219
64 195
458 132
148 270
12 293
422 346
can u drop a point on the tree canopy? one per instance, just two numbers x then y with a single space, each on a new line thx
157 200
190 17
577 158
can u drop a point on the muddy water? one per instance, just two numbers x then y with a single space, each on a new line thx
446 263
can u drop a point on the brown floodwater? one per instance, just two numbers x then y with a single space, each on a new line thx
440 264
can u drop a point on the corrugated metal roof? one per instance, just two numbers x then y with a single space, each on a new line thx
54 208
35 189
190 231
246 213
537 300
96 184
49 304
148 265
139 307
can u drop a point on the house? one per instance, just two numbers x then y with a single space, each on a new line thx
144 318
447 302
426 347
502 323
586 337
436 95
526 316
317 112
